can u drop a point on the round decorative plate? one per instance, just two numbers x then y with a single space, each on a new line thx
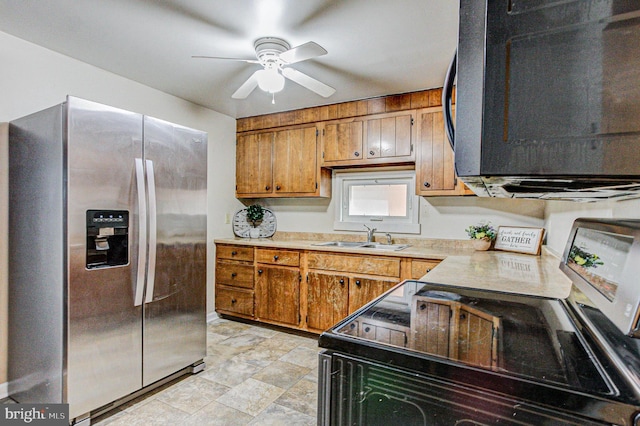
241 226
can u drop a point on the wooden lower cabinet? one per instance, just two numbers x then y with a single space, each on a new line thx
278 294
306 289
233 300
327 299
453 330
234 280
364 290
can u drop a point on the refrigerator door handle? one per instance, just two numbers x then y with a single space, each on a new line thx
142 233
151 272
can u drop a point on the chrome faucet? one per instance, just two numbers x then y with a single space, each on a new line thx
370 232
389 239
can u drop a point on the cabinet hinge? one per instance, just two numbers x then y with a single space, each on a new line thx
322 132
322 154
410 148
307 277
412 121
306 319
317 133
299 278
316 185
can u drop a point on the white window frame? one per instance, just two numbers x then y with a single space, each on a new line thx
342 180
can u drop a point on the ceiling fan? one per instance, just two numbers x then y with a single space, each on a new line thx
275 55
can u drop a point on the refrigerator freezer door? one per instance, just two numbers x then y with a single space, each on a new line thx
104 350
175 312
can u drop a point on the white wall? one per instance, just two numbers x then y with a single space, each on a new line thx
440 217
33 78
559 217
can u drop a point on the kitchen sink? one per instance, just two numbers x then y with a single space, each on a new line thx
341 244
360 244
381 246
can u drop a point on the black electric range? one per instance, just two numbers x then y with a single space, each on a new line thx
427 354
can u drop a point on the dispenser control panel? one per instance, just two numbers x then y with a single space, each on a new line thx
107 238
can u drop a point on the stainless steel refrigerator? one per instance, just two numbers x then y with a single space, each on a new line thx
107 218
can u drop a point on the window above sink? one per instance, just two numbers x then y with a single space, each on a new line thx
384 200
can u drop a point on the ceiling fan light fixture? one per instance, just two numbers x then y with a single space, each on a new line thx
270 80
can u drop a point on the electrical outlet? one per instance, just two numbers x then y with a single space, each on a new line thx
227 218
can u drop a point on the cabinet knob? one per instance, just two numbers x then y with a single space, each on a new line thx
428 270
463 316
357 154
423 307
267 188
352 326
372 153
358 283
233 253
341 282
259 271
426 184
275 257
233 301
367 329
233 275
277 187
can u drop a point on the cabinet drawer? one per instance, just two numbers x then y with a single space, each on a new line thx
386 266
234 273
235 253
278 257
234 300
420 268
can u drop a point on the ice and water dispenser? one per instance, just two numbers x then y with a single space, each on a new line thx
107 238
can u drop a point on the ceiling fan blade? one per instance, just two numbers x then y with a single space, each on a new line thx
302 53
250 61
308 82
247 87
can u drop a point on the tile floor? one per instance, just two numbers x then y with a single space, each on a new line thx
254 376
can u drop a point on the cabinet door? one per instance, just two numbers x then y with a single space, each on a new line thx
431 326
343 141
278 294
295 161
389 137
434 162
327 299
254 173
420 268
477 337
364 290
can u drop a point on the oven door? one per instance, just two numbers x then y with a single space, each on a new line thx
364 393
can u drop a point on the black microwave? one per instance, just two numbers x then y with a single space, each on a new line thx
548 98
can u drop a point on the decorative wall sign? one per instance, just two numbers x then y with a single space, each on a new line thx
519 239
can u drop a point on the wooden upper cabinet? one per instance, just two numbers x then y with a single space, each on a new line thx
435 170
282 163
295 162
342 141
389 137
254 163
377 139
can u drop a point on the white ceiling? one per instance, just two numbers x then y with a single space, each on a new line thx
376 47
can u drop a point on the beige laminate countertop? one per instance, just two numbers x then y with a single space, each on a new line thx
460 265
